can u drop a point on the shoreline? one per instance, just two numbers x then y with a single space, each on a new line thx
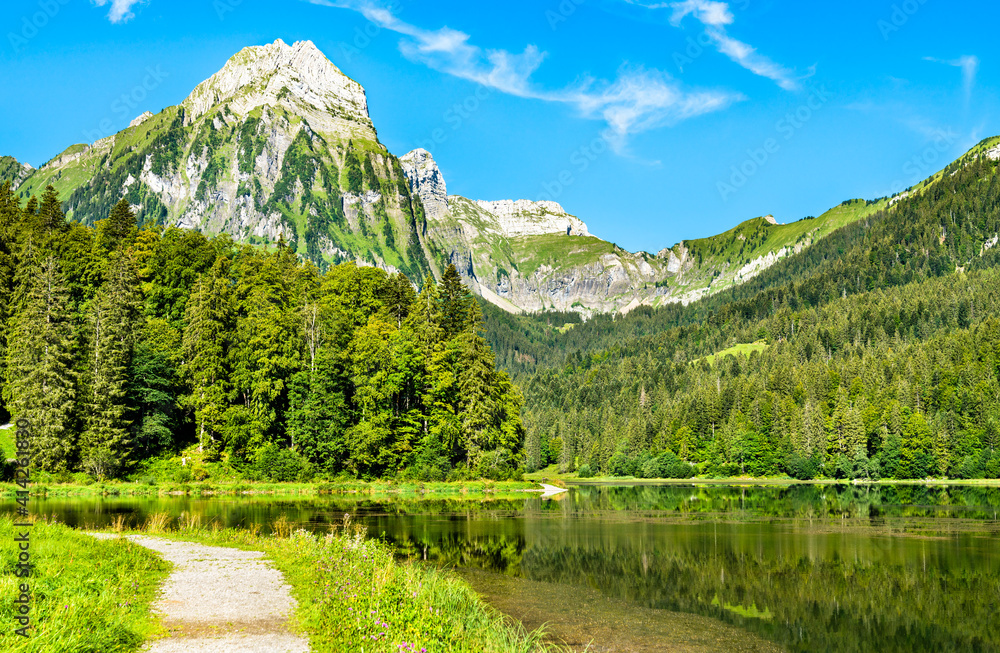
738 481
436 490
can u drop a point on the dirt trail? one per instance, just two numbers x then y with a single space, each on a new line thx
220 600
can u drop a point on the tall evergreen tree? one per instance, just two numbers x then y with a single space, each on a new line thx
206 342
41 380
453 304
115 314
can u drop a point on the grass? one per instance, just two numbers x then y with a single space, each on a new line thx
552 475
354 596
558 250
744 349
441 489
87 594
7 449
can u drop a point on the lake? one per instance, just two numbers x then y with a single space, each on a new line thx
683 567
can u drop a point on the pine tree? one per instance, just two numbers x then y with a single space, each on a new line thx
115 315
399 297
206 343
50 221
119 230
265 351
10 215
41 381
454 303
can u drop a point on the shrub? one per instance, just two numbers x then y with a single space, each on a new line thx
279 464
8 469
652 469
800 467
585 471
83 478
670 466
183 475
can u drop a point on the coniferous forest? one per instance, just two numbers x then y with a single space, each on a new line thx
874 353
124 344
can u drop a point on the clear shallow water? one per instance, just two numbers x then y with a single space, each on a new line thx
686 568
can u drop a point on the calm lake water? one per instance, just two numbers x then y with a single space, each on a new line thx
685 568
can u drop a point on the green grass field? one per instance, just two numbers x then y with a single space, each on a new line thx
86 594
745 349
7 443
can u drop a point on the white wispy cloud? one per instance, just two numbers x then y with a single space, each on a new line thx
715 16
636 101
969 65
121 10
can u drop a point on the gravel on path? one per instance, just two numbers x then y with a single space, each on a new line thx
220 600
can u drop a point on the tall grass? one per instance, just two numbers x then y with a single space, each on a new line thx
87 594
56 488
355 597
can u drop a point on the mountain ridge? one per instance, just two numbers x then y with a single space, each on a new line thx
279 144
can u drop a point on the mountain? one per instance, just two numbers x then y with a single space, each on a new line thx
871 353
12 171
279 145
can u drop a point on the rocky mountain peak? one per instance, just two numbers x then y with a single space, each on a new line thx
527 218
426 181
296 77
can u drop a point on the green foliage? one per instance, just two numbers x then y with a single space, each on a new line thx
123 346
79 586
881 359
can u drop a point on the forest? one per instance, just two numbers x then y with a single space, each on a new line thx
874 353
880 359
123 344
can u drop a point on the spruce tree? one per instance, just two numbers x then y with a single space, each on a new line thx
10 214
206 343
40 377
50 221
454 303
119 230
114 319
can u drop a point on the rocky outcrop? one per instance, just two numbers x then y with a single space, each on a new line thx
426 181
527 218
141 118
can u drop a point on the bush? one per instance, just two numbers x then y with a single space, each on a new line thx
8 470
800 467
281 465
183 475
622 465
83 478
670 466
585 471
651 469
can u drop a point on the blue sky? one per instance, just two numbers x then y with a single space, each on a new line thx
654 121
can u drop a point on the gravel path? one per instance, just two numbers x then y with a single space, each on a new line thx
220 600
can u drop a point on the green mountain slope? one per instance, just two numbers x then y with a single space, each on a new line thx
12 172
881 357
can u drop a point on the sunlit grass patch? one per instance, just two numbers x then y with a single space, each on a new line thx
86 594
